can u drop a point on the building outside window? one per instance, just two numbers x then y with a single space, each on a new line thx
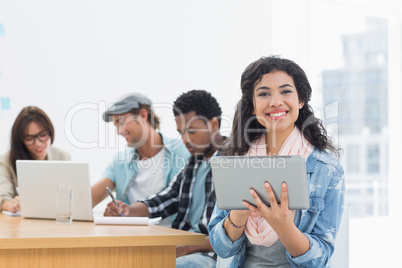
354 59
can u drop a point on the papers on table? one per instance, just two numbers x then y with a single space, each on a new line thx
126 220
8 213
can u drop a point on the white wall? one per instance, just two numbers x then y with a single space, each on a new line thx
72 58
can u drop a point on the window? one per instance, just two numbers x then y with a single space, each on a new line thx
373 161
353 155
356 59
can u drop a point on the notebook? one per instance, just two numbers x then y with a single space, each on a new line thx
233 176
37 181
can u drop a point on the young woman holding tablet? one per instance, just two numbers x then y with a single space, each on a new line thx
273 117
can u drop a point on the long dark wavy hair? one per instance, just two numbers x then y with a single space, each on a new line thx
246 127
27 115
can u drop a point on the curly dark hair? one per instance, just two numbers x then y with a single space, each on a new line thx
199 101
311 127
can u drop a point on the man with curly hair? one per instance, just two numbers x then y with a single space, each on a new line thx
191 193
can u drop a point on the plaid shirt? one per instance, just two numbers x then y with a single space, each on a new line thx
176 198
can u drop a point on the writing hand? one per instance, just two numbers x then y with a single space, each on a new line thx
113 210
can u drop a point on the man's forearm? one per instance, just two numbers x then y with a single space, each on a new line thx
138 209
188 249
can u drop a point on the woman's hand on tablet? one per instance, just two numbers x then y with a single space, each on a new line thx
281 219
278 215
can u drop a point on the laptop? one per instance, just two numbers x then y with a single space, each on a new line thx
233 176
37 181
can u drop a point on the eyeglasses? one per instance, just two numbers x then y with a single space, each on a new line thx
41 136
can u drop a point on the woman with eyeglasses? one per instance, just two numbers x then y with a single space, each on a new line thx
32 135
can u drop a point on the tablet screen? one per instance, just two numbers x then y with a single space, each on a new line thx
233 176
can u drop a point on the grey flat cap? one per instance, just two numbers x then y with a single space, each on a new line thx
126 104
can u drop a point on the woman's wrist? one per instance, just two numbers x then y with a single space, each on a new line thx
233 224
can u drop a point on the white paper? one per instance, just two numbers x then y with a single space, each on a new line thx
126 220
11 213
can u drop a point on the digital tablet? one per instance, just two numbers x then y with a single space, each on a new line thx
233 176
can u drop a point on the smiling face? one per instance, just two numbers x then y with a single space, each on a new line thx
195 133
131 127
34 133
276 103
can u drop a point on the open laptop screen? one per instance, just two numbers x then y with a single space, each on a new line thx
37 181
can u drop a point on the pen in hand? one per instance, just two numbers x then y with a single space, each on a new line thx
114 200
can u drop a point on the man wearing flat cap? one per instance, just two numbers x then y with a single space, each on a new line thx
191 194
151 159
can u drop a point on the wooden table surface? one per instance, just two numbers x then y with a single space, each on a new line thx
44 243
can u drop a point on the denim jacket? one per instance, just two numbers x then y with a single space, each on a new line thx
320 222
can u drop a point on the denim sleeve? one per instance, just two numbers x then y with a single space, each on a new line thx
220 242
110 170
327 212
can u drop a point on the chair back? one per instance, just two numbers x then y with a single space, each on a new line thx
340 257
